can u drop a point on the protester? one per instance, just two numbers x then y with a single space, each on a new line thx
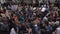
30 18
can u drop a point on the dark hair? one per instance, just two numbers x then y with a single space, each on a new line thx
4 11
46 22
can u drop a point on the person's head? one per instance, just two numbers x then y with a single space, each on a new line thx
15 17
3 11
46 23
52 5
53 14
37 20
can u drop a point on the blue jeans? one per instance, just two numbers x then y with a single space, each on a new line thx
36 30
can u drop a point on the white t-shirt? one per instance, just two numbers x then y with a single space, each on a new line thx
36 25
14 7
58 30
13 31
43 9
45 18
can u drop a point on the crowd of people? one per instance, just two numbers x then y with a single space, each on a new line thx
23 18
